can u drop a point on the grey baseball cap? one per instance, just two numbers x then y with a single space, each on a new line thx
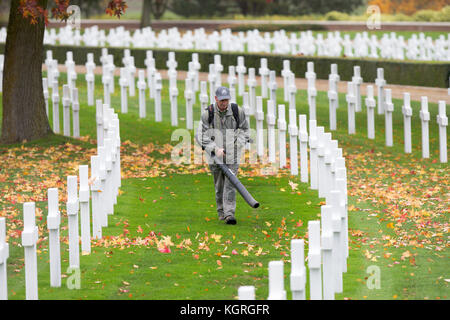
223 93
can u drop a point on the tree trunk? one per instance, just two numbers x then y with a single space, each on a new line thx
146 13
158 8
24 115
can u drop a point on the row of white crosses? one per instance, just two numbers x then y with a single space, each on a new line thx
190 91
354 100
328 238
334 44
108 69
102 187
386 107
127 82
70 95
152 81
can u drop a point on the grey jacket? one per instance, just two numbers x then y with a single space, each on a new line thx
223 125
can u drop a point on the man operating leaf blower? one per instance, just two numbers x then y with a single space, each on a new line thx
222 133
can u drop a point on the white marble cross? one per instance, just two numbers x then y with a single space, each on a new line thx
106 81
204 99
150 64
46 93
30 237
285 72
212 83
110 70
320 160
271 121
99 121
55 100
380 83
173 93
251 81
66 110
442 121
246 293
312 92
407 114
282 135
303 138
72 213
109 203
313 145
232 80
49 64
103 197
314 260
276 281
55 70
197 66
328 162
90 78
142 86
333 200
188 95
351 102
293 134
425 119
389 109
158 88
357 81
292 89
104 57
75 113
70 67
241 70
96 204
4 255
218 68
131 72
370 105
259 116
191 74
298 270
85 221
327 248
171 62
334 78
273 89
264 73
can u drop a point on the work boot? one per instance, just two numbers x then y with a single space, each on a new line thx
230 220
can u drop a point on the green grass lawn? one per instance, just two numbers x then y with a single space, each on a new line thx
210 260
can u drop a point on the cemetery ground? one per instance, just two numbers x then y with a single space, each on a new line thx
164 240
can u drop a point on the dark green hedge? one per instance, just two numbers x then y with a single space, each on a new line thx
271 27
429 74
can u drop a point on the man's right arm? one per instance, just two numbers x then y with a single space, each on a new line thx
203 137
